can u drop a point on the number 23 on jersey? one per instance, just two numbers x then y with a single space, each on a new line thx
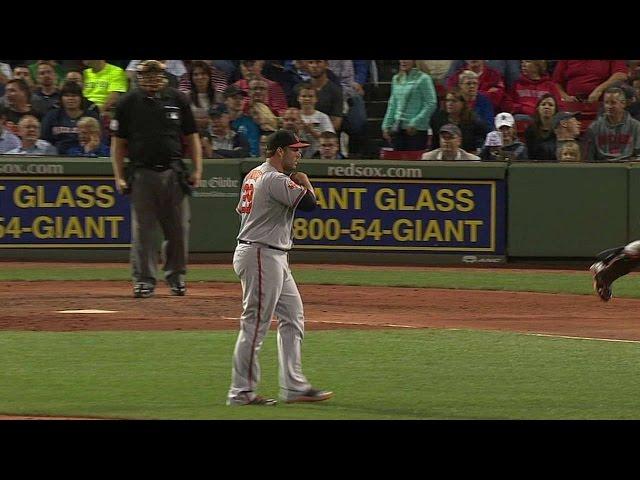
246 202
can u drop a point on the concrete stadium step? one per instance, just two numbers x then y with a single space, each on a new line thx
376 109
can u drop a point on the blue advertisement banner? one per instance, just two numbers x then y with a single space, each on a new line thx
451 216
59 212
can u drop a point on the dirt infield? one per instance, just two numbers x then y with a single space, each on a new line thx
215 306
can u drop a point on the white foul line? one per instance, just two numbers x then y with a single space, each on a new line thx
393 325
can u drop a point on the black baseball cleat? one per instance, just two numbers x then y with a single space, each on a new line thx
178 288
143 290
602 289
311 395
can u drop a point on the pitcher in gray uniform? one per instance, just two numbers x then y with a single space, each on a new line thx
269 197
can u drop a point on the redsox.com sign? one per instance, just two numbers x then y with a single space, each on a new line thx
431 215
58 212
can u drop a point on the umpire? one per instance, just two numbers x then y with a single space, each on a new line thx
149 123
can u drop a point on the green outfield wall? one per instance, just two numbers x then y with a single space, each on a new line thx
405 211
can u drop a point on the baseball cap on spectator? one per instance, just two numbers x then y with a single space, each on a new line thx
504 118
232 91
562 116
494 139
450 128
218 109
284 138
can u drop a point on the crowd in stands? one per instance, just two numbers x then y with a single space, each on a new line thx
482 110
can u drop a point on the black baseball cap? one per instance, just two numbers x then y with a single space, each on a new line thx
562 116
451 129
232 91
285 138
218 109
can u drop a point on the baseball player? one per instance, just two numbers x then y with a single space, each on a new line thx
612 264
149 122
269 197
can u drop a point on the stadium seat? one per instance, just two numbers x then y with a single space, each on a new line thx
389 154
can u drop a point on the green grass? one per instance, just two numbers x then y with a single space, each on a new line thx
578 282
419 374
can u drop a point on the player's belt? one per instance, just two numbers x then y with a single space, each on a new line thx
263 244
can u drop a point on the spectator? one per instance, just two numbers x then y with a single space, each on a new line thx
175 71
523 98
202 95
512 148
241 123
29 130
586 80
5 75
437 69
634 107
568 151
104 84
33 71
457 111
614 136
8 141
17 97
90 142
275 97
329 148
492 151
490 82
22 71
292 121
566 128
220 141
478 102
219 77
509 69
59 126
539 137
258 108
314 122
449 150
294 73
47 95
355 121
329 94
77 77
411 104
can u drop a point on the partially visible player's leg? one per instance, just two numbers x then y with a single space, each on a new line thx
613 264
261 285
175 218
290 315
143 226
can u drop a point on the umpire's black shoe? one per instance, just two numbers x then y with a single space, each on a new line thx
178 288
143 290
602 289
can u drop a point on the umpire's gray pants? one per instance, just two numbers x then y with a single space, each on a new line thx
157 197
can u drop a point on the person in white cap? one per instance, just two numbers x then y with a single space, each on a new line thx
512 148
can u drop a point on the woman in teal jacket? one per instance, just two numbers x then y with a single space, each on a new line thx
412 102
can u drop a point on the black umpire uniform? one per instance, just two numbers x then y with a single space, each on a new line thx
149 122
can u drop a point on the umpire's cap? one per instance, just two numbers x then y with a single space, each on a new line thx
284 138
149 66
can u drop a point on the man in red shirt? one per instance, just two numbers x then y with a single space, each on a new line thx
586 80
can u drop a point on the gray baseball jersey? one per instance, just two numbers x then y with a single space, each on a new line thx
267 206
